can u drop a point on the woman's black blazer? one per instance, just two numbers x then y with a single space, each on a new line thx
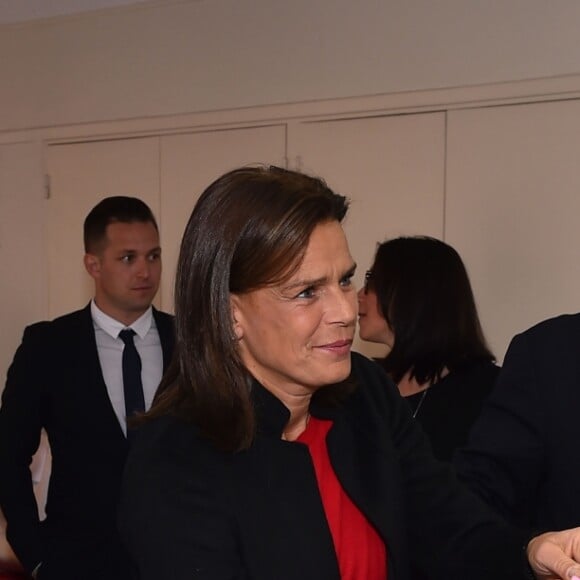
190 512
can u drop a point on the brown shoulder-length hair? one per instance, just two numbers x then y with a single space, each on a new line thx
249 229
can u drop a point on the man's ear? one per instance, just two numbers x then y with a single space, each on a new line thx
237 317
92 265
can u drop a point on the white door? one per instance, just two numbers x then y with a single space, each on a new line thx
22 246
392 169
513 201
190 162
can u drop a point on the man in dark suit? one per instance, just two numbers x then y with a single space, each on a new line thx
523 454
71 377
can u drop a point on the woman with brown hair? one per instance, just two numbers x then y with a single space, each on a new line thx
274 452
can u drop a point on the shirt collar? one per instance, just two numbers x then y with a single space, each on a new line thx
112 327
272 415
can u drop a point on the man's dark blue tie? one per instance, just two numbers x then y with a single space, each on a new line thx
132 385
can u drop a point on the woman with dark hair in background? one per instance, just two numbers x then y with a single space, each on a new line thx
417 300
276 453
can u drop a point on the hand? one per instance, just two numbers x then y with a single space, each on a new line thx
556 555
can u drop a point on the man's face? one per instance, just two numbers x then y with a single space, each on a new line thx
126 270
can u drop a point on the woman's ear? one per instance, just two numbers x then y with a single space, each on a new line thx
237 317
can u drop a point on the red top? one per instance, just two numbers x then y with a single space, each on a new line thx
360 551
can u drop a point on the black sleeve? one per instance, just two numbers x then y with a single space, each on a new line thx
21 423
504 459
452 534
173 517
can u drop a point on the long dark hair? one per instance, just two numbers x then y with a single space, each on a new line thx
249 229
425 296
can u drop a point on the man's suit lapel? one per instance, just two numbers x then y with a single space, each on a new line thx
96 389
166 334
83 347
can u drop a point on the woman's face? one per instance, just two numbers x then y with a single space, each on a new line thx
296 336
372 325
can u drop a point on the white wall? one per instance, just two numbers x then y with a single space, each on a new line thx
134 70
177 57
24 279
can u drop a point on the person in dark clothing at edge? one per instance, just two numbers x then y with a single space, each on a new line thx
68 378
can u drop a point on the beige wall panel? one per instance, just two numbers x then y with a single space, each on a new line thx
22 246
171 57
81 175
189 163
513 201
392 168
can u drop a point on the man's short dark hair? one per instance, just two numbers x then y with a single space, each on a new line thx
118 208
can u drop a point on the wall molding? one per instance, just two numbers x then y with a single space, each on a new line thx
408 102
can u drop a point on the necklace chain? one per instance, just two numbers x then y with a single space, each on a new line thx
416 411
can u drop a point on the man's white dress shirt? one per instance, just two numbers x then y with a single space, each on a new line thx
110 348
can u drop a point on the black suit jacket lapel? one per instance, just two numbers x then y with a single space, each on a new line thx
166 332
